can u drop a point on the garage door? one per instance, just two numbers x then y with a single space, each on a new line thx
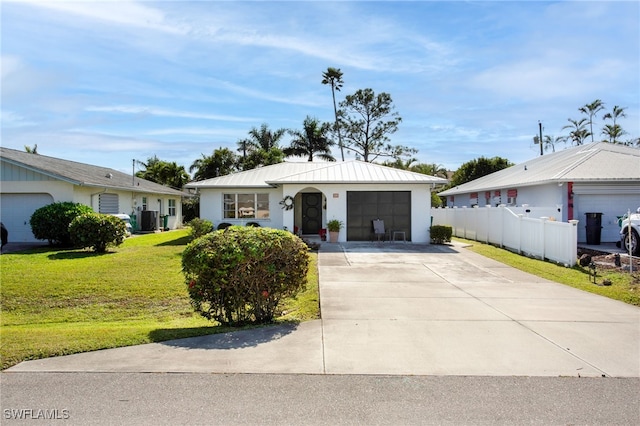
16 210
393 207
610 205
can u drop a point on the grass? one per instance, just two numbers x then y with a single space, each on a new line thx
624 287
59 302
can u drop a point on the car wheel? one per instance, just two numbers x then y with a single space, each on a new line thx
631 242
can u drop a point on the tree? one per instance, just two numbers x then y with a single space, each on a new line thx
222 162
432 169
312 140
163 172
578 130
550 141
30 150
333 77
591 110
261 148
614 131
366 131
474 169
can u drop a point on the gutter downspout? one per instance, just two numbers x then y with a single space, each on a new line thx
96 193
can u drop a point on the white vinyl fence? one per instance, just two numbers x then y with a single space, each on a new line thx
527 230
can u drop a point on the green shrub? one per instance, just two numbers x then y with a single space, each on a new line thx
239 275
440 234
51 222
97 231
199 227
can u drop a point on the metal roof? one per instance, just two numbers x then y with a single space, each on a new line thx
83 174
316 173
594 162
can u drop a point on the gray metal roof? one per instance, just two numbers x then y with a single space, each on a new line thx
316 173
83 174
594 162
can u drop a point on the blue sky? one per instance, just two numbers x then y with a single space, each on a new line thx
108 82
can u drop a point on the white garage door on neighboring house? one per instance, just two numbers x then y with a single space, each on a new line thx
15 212
611 205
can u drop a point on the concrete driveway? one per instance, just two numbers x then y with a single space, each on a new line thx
408 309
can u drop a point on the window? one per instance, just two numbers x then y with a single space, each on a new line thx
172 207
246 206
144 203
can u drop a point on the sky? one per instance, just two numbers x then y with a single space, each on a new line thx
110 82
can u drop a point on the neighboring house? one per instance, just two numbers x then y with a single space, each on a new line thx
303 196
593 178
30 181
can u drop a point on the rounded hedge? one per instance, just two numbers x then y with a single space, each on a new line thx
97 231
199 227
51 222
239 275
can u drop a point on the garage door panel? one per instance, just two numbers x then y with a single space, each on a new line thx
393 207
16 211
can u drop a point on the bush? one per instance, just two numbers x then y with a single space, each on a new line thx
239 275
200 227
97 231
51 222
440 234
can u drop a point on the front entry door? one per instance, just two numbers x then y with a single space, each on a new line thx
311 212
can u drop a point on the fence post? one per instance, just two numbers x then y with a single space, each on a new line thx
520 215
573 249
544 234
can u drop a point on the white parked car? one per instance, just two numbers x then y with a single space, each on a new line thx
127 221
629 238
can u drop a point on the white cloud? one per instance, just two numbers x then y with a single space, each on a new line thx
161 112
118 12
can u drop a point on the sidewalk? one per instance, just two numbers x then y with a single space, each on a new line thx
409 309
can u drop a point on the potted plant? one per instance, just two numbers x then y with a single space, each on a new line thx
334 226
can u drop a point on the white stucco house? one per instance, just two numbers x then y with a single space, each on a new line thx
303 196
30 181
598 177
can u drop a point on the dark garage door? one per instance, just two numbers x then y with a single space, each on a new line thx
394 207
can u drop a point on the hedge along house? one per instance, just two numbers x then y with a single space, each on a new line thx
30 181
303 196
598 177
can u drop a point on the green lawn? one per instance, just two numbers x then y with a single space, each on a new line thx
57 302
624 286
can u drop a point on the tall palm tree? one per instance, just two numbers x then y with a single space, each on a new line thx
578 130
312 140
591 110
333 76
614 131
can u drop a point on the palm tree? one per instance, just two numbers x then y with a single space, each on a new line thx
263 138
614 131
164 172
431 169
591 110
312 140
333 76
578 131
221 163
30 150
261 148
